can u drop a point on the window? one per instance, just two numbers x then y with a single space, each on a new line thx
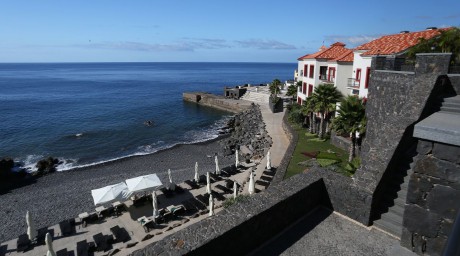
331 74
322 72
312 71
368 72
358 74
310 89
305 67
299 100
304 88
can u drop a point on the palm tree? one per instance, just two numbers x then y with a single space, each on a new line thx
292 91
326 96
351 119
308 110
275 87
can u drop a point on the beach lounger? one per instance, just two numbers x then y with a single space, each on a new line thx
82 248
223 189
120 234
262 183
192 184
266 178
269 173
189 207
179 190
202 179
23 243
101 242
168 193
214 177
204 199
66 227
197 204
41 234
63 252
217 196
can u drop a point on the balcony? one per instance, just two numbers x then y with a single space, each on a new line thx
322 77
353 83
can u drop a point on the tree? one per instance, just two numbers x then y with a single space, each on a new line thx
351 119
292 91
275 87
308 110
447 41
326 96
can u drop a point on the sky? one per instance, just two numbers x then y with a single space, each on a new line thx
203 30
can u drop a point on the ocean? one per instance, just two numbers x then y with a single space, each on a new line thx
89 113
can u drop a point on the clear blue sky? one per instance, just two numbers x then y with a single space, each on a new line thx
203 30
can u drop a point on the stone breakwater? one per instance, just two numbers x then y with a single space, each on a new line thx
248 134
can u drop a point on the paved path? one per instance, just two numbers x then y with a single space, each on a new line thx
323 232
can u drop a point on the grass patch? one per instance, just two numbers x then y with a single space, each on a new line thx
309 146
231 201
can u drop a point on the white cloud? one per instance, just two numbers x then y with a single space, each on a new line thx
265 44
351 41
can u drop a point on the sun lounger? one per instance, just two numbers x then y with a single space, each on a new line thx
223 189
179 190
197 204
217 196
202 179
189 207
269 173
214 177
168 193
66 227
62 252
266 178
23 243
41 234
101 242
203 199
262 183
120 234
192 184
82 248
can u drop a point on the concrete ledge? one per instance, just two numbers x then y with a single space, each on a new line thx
440 127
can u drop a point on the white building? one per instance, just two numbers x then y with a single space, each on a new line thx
328 65
395 45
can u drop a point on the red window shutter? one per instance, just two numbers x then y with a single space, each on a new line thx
368 72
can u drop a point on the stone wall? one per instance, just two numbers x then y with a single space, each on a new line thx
455 82
293 138
343 143
396 100
244 226
433 198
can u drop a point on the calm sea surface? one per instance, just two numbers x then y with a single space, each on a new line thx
85 113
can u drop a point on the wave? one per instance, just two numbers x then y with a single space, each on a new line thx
190 137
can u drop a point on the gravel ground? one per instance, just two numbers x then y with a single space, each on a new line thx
63 195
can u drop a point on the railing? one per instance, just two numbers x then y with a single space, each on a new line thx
353 83
322 77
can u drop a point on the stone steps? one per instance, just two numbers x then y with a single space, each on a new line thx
393 204
258 97
451 105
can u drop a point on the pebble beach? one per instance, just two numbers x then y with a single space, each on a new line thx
63 195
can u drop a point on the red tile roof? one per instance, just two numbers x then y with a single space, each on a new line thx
392 44
334 51
348 56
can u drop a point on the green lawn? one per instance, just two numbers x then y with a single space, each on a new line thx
310 146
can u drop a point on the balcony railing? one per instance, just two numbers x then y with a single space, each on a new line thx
353 83
322 77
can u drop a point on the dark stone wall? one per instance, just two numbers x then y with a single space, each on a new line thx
244 226
344 143
293 138
433 198
396 100
455 81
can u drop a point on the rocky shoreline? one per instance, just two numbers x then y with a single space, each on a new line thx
63 195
